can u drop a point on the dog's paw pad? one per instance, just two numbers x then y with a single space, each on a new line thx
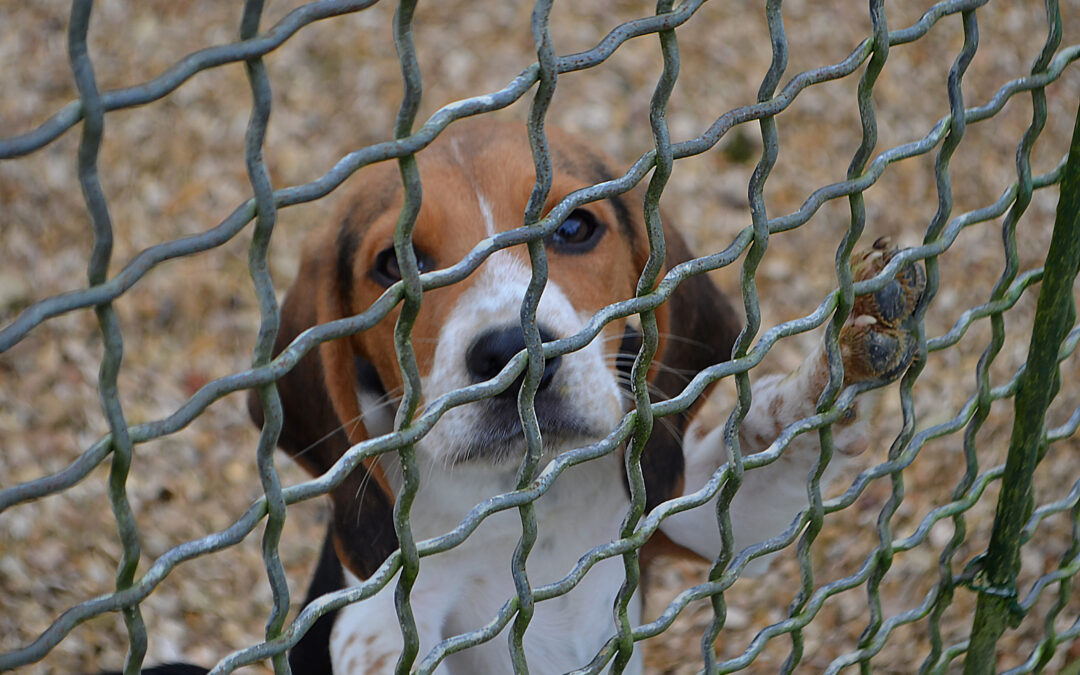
891 301
875 351
875 342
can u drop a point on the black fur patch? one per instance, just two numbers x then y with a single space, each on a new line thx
373 202
601 174
347 243
311 655
169 669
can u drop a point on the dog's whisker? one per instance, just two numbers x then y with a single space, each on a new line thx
674 337
625 358
624 387
621 358
687 341
350 425
361 491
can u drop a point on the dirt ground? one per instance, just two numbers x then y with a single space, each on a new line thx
175 167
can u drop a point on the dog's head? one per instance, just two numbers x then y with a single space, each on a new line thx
477 178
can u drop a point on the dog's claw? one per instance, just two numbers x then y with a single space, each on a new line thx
876 342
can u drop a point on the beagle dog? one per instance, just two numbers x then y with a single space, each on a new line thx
477 177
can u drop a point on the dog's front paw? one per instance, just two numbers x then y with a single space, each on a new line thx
877 342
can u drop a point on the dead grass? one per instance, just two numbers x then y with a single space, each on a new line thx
175 167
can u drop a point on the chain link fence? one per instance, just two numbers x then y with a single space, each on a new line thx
984 570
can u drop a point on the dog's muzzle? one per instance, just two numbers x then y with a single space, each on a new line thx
498 433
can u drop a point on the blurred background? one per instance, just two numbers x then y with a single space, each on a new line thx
175 168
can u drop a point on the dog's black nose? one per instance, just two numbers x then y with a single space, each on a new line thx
492 350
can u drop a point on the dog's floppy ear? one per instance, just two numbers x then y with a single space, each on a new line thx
701 324
312 432
698 329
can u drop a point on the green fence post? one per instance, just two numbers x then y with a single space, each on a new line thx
1054 316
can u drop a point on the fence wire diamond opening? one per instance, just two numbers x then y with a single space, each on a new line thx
952 546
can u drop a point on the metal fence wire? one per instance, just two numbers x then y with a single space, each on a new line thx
991 575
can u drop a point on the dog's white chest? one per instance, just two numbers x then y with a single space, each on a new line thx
463 589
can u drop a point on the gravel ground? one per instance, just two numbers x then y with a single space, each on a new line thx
175 168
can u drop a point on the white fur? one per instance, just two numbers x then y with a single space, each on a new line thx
485 211
462 589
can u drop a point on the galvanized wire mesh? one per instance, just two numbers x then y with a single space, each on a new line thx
1000 599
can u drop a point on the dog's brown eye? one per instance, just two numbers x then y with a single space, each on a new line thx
578 233
385 271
